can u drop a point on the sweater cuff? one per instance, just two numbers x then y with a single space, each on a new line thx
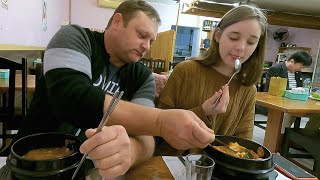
200 113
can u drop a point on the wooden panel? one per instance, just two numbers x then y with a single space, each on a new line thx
163 47
20 47
274 18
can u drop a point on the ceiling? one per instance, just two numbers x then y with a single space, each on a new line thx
302 7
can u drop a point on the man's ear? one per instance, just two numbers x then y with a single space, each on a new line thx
117 20
217 35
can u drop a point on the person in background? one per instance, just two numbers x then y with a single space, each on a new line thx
83 68
291 69
196 84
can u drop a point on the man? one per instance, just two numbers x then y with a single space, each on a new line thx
83 68
291 69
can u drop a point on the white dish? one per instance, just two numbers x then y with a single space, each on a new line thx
311 97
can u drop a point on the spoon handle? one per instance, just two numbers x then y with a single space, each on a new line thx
115 99
218 100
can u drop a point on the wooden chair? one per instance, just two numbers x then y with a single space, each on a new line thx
172 65
8 111
158 65
38 71
307 139
146 62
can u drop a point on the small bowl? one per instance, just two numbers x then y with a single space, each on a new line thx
241 167
59 168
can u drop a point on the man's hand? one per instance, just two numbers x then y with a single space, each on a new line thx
111 150
209 107
183 129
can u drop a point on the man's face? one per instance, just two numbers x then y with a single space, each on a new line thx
135 40
294 67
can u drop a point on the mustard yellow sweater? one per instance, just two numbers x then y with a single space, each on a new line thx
191 83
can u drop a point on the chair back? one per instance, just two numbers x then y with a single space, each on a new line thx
39 71
7 109
158 65
146 62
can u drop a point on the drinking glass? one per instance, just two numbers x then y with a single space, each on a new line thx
199 167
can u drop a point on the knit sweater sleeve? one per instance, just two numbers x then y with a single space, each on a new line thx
245 128
171 92
68 75
168 95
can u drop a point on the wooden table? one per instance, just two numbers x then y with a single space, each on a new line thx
154 168
277 106
31 84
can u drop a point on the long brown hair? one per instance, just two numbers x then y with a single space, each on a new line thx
251 69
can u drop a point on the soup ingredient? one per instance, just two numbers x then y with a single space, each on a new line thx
234 149
47 153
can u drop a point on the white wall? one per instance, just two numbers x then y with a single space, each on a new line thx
21 24
87 13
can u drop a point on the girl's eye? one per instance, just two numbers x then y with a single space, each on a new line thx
233 38
252 43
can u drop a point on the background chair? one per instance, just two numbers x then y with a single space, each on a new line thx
38 71
308 139
172 65
158 65
8 111
146 62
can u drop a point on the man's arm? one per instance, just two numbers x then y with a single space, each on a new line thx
180 128
142 147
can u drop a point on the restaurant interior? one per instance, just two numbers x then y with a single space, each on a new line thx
26 28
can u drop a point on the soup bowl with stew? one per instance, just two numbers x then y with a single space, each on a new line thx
45 156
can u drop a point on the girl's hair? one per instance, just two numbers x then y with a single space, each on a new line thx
251 69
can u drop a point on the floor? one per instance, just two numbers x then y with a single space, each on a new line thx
258 137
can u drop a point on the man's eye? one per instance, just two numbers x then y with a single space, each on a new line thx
142 35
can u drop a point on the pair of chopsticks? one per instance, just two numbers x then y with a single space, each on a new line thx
115 99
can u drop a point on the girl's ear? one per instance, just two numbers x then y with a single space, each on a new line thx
217 35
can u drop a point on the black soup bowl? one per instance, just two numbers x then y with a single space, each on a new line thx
48 169
240 168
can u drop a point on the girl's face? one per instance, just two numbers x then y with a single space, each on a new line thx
238 40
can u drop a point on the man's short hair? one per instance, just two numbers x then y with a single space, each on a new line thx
301 57
129 8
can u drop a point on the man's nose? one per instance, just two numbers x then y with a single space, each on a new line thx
146 45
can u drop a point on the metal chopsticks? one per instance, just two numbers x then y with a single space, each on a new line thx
115 99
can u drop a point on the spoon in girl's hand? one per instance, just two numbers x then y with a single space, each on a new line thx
237 68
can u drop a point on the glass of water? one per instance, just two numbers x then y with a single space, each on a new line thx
199 167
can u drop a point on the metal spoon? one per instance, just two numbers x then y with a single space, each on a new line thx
115 99
237 68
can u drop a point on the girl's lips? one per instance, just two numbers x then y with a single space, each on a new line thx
235 57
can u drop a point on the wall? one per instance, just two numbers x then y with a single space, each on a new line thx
87 13
21 24
299 36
